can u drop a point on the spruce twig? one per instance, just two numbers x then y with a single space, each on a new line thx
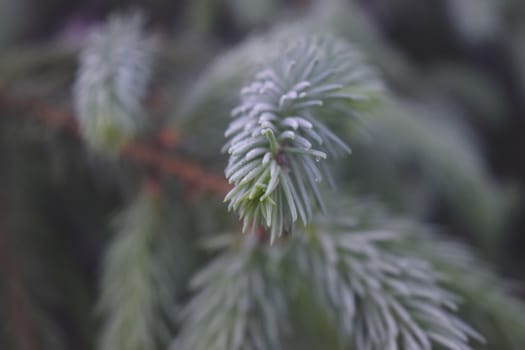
279 140
139 152
144 271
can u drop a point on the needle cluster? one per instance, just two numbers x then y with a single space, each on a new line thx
278 140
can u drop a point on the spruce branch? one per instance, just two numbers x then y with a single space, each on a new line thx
443 156
484 300
145 154
142 277
377 297
376 293
114 72
239 304
487 301
278 140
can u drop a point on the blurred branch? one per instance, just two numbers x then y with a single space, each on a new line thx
18 305
138 152
24 61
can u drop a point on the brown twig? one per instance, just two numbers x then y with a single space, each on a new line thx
148 156
18 304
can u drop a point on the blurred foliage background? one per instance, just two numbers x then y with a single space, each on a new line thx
448 151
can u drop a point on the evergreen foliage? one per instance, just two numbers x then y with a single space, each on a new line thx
247 222
278 137
355 267
115 68
140 281
240 303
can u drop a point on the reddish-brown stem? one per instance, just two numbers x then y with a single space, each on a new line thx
191 173
147 155
18 305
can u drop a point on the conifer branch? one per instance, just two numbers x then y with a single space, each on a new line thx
377 297
487 300
367 280
114 72
278 140
143 276
375 294
146 155
240 303
128 289
484 300
443 154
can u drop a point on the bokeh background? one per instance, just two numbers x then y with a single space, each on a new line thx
451 153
